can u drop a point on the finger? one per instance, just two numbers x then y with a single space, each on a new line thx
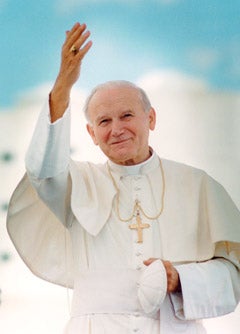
72 35
77 37
71 31
76 27
149 261
82 52
167 264
75 34
82 39
172 278
81 46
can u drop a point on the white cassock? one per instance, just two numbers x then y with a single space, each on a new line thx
98 255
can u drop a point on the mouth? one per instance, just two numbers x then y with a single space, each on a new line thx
118 142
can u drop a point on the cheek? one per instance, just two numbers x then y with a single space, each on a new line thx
102 136
140 131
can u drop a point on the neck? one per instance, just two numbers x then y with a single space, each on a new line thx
132 162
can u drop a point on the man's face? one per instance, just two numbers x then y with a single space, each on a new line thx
119 124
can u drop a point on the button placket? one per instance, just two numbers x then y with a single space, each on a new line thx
135 324
137 250
137 254
137 247
137 184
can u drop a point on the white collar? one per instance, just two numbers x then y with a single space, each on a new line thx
142 168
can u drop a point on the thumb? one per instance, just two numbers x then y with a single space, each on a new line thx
149 261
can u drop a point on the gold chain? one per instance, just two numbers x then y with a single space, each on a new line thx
137 207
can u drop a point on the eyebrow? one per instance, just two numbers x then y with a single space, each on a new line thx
101 117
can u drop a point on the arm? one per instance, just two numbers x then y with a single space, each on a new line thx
69 69
209 289
48 156
202 290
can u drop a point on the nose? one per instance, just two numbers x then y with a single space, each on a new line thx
117 128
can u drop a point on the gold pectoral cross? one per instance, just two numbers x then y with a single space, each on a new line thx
139 227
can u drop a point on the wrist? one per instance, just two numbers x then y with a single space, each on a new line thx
58 103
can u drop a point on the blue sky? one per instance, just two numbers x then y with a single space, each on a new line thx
131 38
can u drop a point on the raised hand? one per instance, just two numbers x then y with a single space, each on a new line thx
74 49
73 52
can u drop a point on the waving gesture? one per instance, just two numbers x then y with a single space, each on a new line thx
74 49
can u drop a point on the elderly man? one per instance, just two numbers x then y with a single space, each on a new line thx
148 245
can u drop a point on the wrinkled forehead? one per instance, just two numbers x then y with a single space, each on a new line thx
109 97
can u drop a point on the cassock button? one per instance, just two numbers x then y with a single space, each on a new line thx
138 253
139 267
136 330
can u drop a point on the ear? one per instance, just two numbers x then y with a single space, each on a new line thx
92 134
152 119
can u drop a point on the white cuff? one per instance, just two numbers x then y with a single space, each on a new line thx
206 291
152 287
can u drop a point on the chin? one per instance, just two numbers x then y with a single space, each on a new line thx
118 156
123 159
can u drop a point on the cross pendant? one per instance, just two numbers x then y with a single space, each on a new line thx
139 227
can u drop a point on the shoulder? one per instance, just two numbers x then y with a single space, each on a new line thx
182 168
183 174
87 168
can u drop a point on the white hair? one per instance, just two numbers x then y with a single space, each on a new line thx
118 83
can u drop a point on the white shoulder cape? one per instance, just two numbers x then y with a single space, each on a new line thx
44 243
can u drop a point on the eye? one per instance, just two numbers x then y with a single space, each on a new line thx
104 121
127 115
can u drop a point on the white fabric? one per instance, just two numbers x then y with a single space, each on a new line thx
211 302
199 222
54 161
152 287
119 292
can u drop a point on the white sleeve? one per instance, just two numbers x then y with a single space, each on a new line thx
49 150
47 162
209 289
